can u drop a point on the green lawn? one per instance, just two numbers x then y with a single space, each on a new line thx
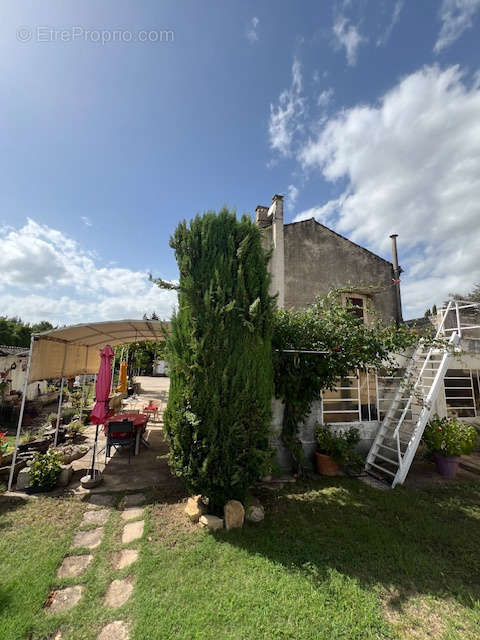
333 559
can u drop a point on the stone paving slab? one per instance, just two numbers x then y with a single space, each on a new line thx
95 517
65 599
118 592
132 513
100 500
73 566
117 630
132 531
133 500
124 558
90 539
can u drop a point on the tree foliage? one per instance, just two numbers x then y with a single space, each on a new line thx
15 333
219 352
348 343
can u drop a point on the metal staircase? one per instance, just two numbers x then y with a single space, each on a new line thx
400 433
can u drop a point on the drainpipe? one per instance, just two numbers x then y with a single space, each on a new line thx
397 270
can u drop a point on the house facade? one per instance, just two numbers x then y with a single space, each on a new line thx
309 259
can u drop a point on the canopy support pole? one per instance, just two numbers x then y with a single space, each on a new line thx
20 417
83 398
60 400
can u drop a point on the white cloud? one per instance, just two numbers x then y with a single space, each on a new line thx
285 118
292 196
397 9
44 274
347 36
325 97
456 17
411 164
252 30
86 221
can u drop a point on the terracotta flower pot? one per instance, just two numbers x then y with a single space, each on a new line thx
326 466
447 465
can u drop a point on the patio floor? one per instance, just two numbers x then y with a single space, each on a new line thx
148 469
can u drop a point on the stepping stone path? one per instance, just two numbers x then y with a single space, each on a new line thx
124 558
90 539
132 513
95 517
132 531
133 500
118 592
117 630
73 566
100 500
64 599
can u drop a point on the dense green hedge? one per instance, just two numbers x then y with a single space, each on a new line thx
219 352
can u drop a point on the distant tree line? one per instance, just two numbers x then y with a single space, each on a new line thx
16 333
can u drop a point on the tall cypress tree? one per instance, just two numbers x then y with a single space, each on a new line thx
219 351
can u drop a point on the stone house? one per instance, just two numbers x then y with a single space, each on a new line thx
307 259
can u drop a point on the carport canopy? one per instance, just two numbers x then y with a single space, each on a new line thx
75 350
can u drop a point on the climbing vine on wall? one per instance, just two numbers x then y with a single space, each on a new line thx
328 326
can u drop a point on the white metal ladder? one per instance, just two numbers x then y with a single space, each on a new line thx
397 440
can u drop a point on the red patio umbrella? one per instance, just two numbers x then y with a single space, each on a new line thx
102 393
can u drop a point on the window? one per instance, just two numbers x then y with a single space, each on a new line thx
357 307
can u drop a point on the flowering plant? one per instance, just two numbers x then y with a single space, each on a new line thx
449 437
3 443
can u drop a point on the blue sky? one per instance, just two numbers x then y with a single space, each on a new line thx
364 114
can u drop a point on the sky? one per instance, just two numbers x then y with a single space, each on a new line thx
121 118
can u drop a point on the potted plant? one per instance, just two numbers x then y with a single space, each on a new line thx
75 428
3 445
336 450
447 439
44 470
52 419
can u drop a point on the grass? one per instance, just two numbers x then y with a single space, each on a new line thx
333 559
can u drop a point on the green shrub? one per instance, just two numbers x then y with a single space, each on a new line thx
45 469
219 352
450 437
339 446
75 428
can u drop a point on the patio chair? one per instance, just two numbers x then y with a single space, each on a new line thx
120 434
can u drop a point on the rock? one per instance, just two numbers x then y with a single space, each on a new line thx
210 522
234 515
73 566
132 513
64 599
101 500
23 479
65 475
195 508
133 500
118 592
90 539
117 630
95 517
124 558
132 531
255 513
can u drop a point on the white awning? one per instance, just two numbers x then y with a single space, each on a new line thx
75 350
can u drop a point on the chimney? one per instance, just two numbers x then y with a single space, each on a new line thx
397 270
277 262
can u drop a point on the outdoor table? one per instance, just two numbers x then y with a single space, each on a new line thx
139 423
